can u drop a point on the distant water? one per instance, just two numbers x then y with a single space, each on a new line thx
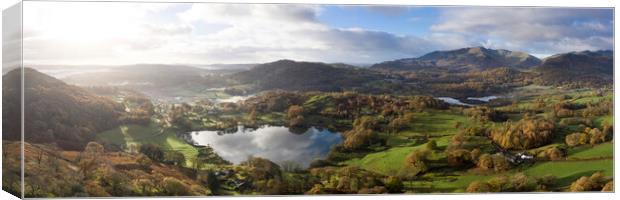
276 143
64 73
234 99
453 101
485 99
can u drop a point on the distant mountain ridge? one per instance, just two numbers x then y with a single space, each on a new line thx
462 60
582 68
305 76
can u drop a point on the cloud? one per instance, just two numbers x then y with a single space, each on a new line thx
11 38
202 33
529 29
96 33
265 33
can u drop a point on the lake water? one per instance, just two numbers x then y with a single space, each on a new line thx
485 99
234 99
453 101
275 143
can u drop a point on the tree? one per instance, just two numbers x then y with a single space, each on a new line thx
295 115
475 154
93 149
596 136
520 182
525 134
555 153
500 183
174 187
252 116
358 138
116 183
572 139
174 157
459 157
394 184
478 187
362 134
500 163
152 151
401 122
590 136
609 187
144 162
144 186
581 184
90 158
212 182
294 111
593 183
485 161
431 145
415 163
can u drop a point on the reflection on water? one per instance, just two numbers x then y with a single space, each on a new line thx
452 101
485 99
234 99
276 143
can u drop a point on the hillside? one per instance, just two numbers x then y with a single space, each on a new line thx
305 76
66 115
462 60
85 173
587 68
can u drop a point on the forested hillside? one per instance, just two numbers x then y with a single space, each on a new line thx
66 115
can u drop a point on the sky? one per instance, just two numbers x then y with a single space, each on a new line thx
113 33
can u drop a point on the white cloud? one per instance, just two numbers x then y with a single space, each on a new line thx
537 30
127 33
86 33
115 33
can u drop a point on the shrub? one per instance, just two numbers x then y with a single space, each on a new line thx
415 163
521 182
394 185
589 136
499 184
555 153
144 162
500 163
431 145
572 139
582 184
485 161
152 151
459 157
174 158
475 154
174 187
592 183
478 187
609 187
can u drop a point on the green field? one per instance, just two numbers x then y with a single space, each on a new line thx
385 162
604 150
600 121
437 123
569 171
127 135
